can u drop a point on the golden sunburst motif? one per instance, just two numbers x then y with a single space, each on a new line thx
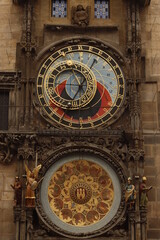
80 193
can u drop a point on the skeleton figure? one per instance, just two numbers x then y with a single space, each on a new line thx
32 183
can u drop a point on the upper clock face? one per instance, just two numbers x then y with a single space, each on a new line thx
80 87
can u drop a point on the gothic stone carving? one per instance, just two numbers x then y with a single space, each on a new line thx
80 16
28 43
8 146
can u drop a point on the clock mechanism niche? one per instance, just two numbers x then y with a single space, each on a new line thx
80 87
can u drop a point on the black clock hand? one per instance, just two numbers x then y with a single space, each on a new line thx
94 61
79 88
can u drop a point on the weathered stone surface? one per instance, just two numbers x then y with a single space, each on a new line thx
10 29
154 223
153 234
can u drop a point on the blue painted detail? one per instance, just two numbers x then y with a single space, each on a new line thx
101 9
59 8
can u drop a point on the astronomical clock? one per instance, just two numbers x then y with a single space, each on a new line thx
79 127
81 88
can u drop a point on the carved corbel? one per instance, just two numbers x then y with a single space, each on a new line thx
136 155
25 153
8 147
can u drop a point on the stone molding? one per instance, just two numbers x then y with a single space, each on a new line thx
8 79
19 1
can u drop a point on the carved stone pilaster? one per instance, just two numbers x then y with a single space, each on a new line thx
17 217
143 219
27 149
28 44
131 225
29 220
134 59
17 213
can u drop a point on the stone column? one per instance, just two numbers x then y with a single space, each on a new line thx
131 222
143 217
17 216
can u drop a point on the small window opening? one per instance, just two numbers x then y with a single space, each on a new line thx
59 8
101 9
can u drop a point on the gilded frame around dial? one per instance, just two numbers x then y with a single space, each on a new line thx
81 86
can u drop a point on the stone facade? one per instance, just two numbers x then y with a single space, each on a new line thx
150 112
13 66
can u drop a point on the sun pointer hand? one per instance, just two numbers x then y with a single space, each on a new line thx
94 61
70 64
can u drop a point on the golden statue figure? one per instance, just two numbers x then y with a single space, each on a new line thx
143 189
32 183
130 194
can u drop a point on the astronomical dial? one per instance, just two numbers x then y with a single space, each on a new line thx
80 87
77 81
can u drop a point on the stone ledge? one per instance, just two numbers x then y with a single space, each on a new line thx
63 238
80 29
19 1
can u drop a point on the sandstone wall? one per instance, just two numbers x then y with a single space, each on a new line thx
10 33
7 226
150 103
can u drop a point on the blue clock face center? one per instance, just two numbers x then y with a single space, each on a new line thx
76 84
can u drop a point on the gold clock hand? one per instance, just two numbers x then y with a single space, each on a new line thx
70 63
